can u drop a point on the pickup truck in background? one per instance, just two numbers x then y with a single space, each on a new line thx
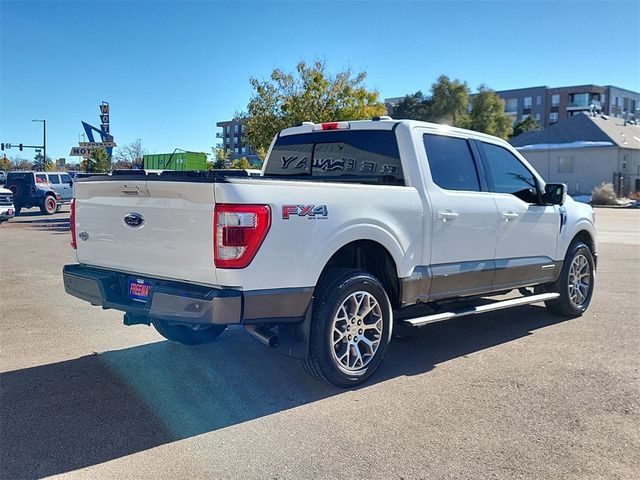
350 228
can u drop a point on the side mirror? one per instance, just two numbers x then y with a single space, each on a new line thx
555 193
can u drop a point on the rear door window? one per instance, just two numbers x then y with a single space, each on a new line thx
54 178
451 163
65 178
367 156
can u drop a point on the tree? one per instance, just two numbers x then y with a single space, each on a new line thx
19 163
525 125
487 114
97 162
241 163
40 163
221 157
447 103
413 107
129 156
308 94
5 163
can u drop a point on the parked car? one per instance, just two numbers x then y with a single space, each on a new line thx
7 210
352 227
33 189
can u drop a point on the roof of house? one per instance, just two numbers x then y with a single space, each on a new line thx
581 130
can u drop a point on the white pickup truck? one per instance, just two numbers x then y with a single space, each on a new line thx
351 226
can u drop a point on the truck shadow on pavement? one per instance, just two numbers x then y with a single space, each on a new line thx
56 224
65 416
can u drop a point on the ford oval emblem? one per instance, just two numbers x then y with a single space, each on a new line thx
134 220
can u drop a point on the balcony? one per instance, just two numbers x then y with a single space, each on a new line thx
584 103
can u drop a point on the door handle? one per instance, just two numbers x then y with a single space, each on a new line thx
447 215
508 216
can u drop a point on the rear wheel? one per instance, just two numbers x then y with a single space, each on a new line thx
49 205
188 334
576 282
350 328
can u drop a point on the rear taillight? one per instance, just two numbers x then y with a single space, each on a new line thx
239 230
72 222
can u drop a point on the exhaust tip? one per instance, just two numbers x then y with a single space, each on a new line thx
263 335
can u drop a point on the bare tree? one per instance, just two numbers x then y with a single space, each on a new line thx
129 156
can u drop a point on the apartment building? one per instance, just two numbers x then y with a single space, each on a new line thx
550 105
233 139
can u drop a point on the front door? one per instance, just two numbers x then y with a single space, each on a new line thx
464 220
527 231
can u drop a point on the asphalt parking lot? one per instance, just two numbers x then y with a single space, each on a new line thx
514 394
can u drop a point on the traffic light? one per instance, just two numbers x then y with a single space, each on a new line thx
20 147
2 147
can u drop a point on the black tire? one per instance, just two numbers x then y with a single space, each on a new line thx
573 301
49 205
188 335
335 288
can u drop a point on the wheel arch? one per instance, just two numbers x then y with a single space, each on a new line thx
369 256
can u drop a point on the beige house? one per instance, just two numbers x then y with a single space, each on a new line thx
584 151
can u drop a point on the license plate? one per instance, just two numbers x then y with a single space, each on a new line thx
139 290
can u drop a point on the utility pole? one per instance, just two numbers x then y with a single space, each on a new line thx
44 140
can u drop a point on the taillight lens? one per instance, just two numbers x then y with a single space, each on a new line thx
72 222
239 230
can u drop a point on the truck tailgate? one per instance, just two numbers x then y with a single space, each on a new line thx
174 239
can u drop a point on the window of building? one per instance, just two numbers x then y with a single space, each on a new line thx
537 117
243 150
555 100
525 116
528 102
235 128
565 164
451 163
511 105
507 174
228 129
235 140
539 100
553 117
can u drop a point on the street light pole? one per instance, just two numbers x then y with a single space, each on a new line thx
44 140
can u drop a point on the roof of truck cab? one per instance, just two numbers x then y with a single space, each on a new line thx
390 124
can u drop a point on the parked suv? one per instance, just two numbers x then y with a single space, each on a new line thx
33 189
7 209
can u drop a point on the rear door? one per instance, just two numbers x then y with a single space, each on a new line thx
464 219
527 230
65 188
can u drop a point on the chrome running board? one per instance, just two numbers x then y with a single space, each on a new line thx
490 307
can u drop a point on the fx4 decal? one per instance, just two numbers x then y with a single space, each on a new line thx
310 211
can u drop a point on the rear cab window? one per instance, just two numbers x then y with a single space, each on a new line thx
361 156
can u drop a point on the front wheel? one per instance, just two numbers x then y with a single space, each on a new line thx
350 328
576 282
49 205
188 334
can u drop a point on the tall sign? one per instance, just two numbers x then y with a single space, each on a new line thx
104 117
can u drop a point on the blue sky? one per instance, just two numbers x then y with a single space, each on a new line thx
170 70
